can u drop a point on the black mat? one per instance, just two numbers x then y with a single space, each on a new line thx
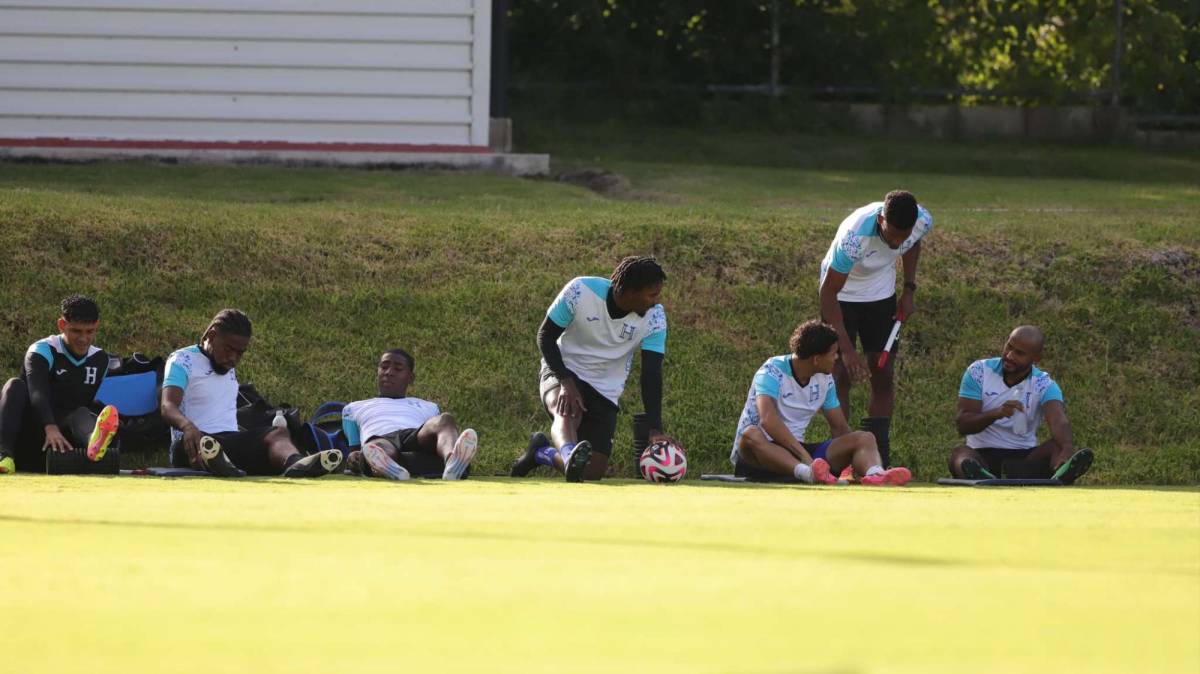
161 471
1030 482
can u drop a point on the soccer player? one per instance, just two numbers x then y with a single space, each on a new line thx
52 405
785 394
1001 404
199 401
588 340
858 298
404 434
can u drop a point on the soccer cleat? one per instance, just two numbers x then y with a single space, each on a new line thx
847 474
822 473
7 464
460 457
1074 468
216 461
315 465
525 463
972 470
578 460
897 477
103 433
382 465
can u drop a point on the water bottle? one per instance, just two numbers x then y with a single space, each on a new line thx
1020 420
279 421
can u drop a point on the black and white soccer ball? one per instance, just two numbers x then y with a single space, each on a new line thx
663 462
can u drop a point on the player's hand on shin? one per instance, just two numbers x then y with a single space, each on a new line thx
55 440
191 445
570 400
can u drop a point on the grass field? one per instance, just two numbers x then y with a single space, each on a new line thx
345 574
1099 245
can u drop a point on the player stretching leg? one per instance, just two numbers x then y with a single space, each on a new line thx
858 298
785 394
587 341
199 401
1001 403
403 434
52 405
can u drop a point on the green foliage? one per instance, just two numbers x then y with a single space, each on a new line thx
1038 51
335 266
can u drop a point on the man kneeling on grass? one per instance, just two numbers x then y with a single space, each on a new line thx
785 394
404 435
199 401
1001 403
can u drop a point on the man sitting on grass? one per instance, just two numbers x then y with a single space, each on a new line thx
404 435
199 401
1001 403
588 340
52 405
785 394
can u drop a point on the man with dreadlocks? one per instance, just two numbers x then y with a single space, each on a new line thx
52 405
199 401
587 341
858 298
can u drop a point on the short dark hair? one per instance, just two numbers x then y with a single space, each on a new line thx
412 364
80 309
900 209
636 272
231 322
812 338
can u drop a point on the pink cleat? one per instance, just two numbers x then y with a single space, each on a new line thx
103 433
822 473
847 474
896 477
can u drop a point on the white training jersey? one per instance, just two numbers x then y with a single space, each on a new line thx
984 381
861 253
797 403
366 419
599 349
209 399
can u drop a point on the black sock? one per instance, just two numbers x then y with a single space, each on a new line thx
881 428
290 460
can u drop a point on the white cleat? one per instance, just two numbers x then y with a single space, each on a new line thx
383 465
460 458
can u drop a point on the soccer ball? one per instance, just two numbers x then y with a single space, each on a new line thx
663 462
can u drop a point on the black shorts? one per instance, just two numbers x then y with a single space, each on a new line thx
246 449
599 422
403 440
1014 464
871 323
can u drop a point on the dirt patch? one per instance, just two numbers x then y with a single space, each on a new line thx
601 181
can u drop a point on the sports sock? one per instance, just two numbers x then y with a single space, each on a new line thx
803 472
875 470
287 463
565 450
545 456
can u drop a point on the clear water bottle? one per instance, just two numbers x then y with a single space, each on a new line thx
1020 420
279 421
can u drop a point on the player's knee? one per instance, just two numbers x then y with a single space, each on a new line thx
13 385
444 420
277 435
864 440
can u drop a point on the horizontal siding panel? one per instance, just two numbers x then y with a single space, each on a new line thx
233 53
386 7
446 83
213 130
245 107
214 25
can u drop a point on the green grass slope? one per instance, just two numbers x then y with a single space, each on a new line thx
1101 246
356 575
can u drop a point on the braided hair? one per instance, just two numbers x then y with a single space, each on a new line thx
230 322
636 272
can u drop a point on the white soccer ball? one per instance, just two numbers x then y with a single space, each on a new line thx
662 462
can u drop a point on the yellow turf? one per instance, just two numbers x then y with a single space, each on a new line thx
343 574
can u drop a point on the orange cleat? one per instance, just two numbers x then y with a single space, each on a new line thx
103 433
894 477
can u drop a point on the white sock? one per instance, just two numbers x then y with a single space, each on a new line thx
875 470
803 472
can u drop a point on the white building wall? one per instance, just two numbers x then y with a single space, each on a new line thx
301 71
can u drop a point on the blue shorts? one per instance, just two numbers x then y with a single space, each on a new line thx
816 450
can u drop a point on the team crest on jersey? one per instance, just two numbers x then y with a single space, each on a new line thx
627 331
89 376
814 392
